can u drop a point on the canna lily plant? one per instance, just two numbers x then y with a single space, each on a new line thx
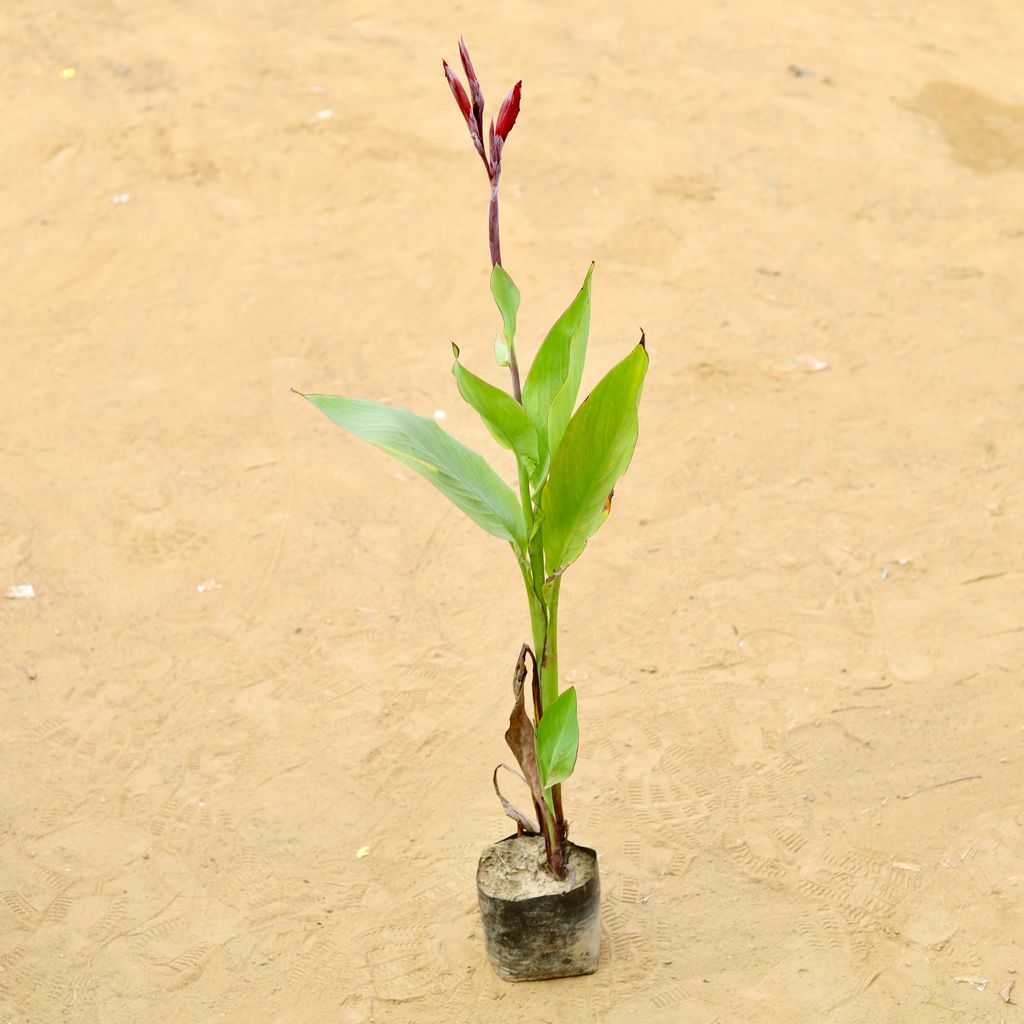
567 461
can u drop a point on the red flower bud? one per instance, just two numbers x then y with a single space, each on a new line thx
474 83
457 91
466 62
509 112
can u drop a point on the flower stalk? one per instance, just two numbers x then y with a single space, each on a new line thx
472 107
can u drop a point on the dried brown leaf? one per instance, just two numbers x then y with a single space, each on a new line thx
522 741
514 813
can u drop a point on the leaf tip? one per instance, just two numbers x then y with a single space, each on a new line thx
643 339
455 350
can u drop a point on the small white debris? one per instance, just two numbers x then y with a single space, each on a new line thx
979 983
67 73
809 364
906 867
440 414
363 851
121 197
207 586
324 115
21 591
885 573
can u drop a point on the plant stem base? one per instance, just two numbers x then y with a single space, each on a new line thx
536 927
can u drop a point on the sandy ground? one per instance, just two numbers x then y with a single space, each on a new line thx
257 646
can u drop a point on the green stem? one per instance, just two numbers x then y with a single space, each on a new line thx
549 659
532 566
538 621
543 601
549 686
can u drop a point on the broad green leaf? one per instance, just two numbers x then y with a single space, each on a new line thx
558 739
506 295
553 383
504 417
594 453
455 470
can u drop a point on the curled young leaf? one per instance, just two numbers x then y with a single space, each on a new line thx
501 352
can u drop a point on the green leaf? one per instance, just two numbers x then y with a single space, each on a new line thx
553 383
506 295
501 352
594 453
455 470
558 739
504 417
